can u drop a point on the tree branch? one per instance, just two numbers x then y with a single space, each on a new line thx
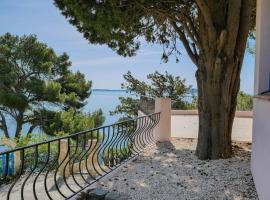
233 21
4 125
184 19
12 114
244 27
203 7
185 42
31 128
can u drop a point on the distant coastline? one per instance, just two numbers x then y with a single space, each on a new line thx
192 91
107 90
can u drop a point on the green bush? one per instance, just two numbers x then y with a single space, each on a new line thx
116 155
244 101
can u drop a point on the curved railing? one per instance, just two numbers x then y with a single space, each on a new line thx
62 167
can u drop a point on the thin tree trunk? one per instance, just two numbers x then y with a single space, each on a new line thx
31 129
19 122
4 125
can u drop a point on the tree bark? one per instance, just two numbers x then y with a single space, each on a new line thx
217 100
19 122
223 32
4 125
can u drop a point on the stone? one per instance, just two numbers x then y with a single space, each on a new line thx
83 196
116 196
97 193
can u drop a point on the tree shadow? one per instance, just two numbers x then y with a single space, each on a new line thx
172 171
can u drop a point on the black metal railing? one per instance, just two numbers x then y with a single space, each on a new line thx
60 168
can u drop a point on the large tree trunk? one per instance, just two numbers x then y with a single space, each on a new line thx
217 99
223 32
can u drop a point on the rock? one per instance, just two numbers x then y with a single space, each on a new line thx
83 196
97 194
116 196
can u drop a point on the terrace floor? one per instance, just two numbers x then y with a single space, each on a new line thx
171 171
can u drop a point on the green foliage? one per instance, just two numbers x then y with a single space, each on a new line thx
116 155
244 101
105 23
119 23
70 121
31 139
159 85
39 155
128 105
190 103
251 49
37 86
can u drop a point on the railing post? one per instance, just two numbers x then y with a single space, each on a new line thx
62 155
163 128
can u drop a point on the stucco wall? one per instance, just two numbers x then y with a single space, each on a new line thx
185 124
260 159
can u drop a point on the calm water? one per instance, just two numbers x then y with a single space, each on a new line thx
107 100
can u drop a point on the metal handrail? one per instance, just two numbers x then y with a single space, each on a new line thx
73 134
62 167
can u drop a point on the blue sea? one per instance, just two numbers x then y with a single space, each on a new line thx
107 100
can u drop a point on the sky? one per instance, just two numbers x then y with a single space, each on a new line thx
98 62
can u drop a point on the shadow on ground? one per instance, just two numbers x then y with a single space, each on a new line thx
171 171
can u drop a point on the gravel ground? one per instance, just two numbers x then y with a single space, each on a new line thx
171 171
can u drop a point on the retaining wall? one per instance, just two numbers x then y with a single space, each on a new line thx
185 123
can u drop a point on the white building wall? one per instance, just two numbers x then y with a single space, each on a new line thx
260 159
262 69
